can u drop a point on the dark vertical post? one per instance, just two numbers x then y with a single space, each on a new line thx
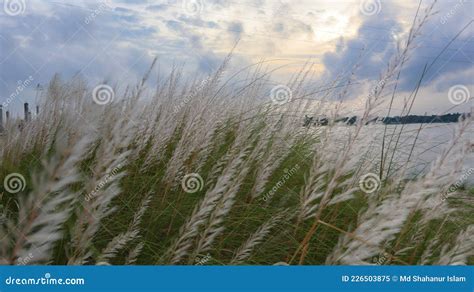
1 118
7 114
26 112
37 110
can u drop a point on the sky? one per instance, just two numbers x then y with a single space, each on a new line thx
116 41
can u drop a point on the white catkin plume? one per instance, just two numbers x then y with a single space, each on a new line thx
381 223
223 207
373 101
332 258
313 189
215 136
44 130
245 251
202 211
120 241
162 132
48 206
199 216
384 220
104 186
324 163
164 122
426 256
217 169
264 172
270 161
197 130
183 149
215 226
133 254
461 251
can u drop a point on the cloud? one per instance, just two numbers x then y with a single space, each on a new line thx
376 42
119 40
457 59
157 8
236 28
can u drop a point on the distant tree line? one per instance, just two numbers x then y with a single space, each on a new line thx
410 119
414 119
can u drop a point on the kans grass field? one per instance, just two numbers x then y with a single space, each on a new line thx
195 170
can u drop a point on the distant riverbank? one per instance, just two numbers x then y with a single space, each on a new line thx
397 120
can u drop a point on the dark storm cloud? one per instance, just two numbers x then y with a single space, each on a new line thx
61 41
376 36
456 60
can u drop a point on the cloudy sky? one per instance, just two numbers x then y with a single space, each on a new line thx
116 40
